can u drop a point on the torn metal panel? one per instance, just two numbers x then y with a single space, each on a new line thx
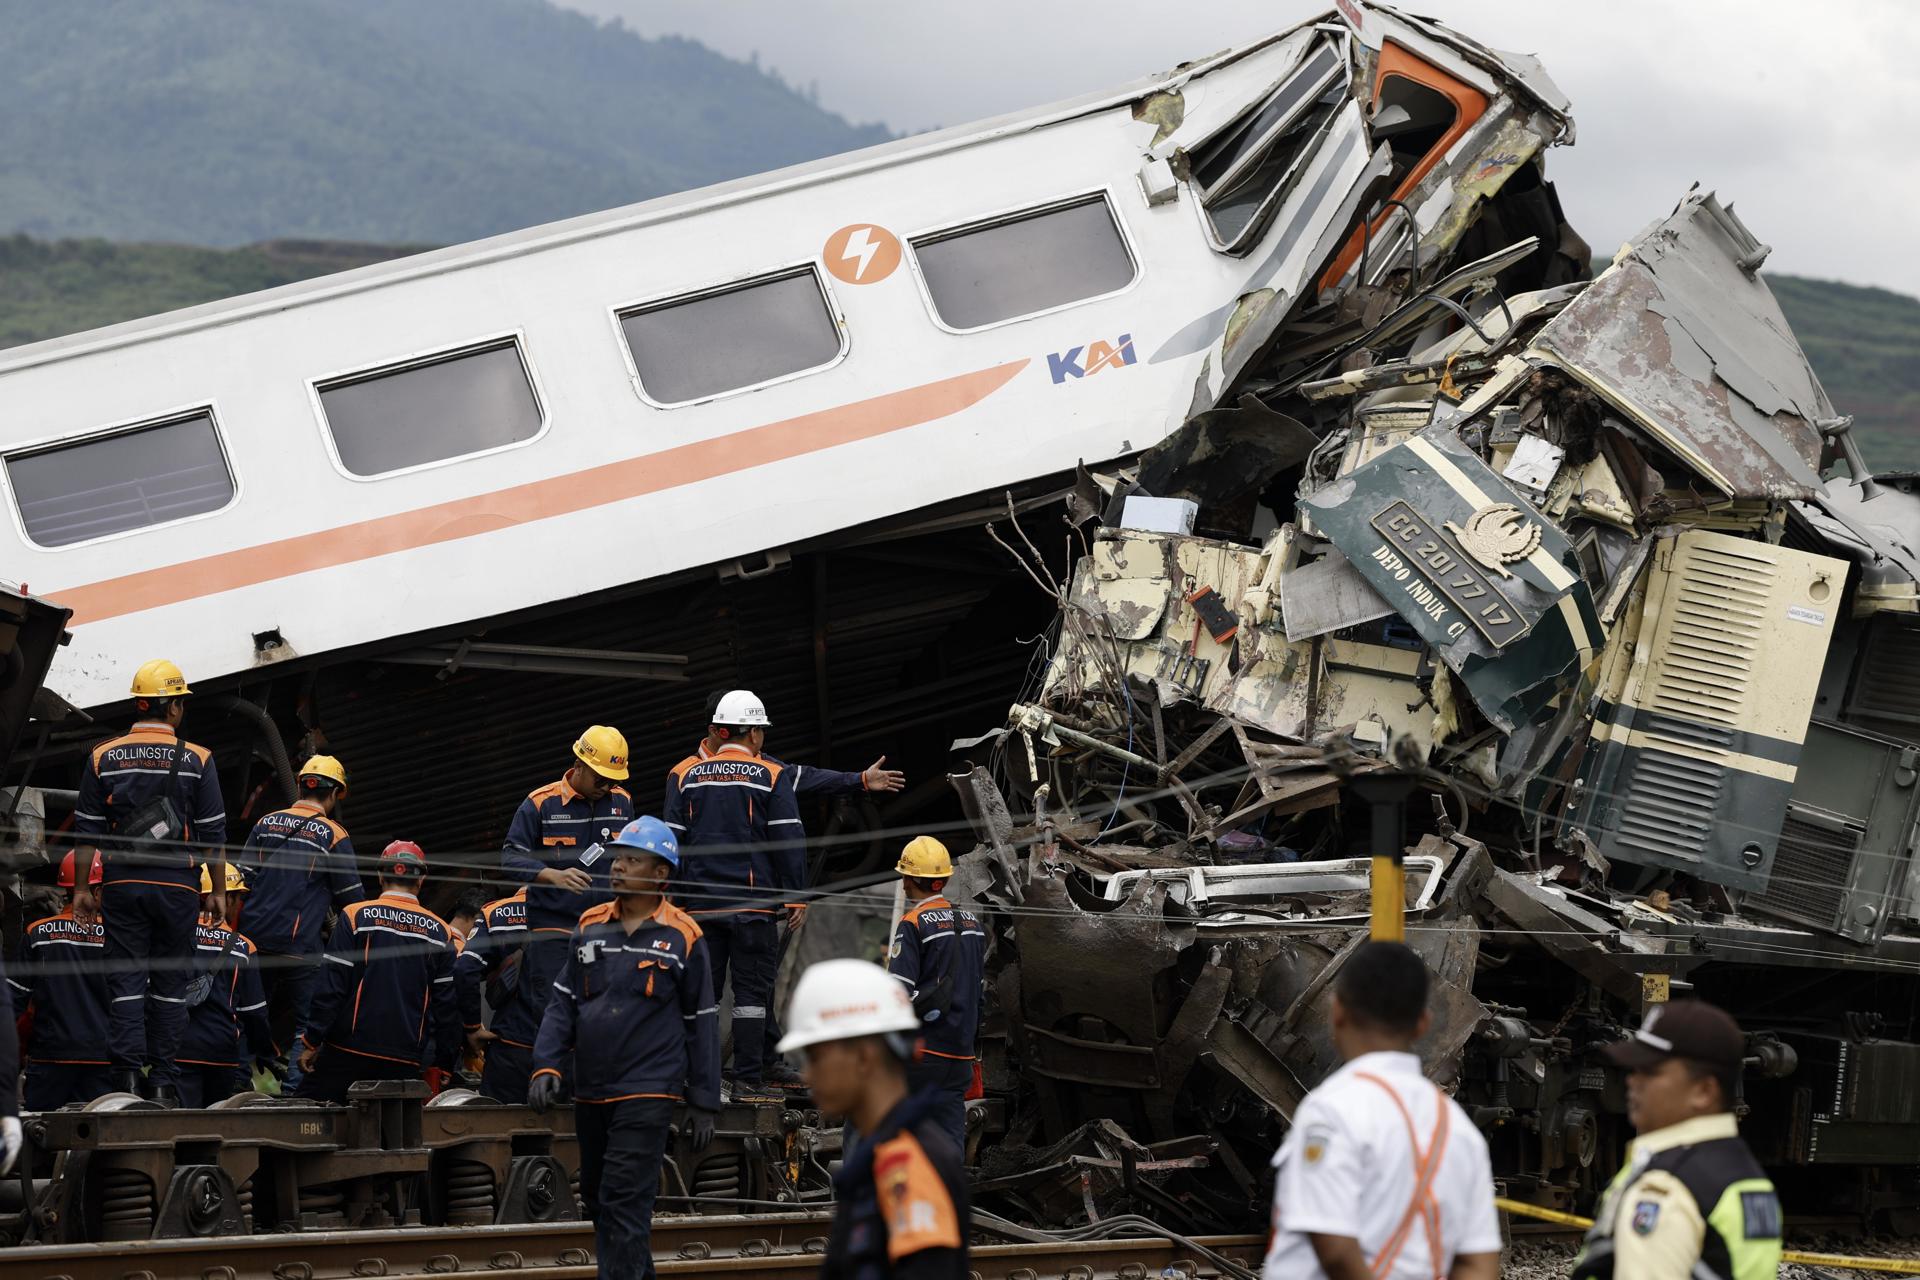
1682 335
1132 612
1490 584
1593 945
1327 594
1223 453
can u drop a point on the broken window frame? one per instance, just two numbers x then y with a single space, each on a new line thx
59 444
1019 213
1317 85
1384 255
515 338
1303 161
811 266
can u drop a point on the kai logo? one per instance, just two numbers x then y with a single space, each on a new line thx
1084 362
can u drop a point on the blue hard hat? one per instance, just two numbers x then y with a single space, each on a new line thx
649 835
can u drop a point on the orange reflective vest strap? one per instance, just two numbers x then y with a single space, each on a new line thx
1422 1207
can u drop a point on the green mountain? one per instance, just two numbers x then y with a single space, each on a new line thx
232 121
1864 343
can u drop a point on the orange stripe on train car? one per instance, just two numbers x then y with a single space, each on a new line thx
538 500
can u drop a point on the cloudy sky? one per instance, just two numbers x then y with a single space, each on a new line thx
1806 126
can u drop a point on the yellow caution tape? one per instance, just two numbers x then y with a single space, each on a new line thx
1890 1266
1545 1215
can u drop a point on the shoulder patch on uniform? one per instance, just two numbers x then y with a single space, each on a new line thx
918 1208
1760 1215
1646 1216
1315 1142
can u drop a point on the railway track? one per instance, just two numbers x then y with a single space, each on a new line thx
764 1244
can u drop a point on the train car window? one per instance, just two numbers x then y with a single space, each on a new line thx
728 339
445 407
1245 171
1223 159
147 475
1024 264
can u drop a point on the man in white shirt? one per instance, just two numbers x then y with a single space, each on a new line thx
1382 1175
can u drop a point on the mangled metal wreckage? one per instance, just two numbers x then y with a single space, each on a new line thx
1560 564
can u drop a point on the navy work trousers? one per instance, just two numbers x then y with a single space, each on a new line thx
52 1085
202 1085
506 1073
748 946
149 953
287 981
948 1079
622 1145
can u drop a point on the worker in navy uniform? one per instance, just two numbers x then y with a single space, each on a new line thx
553 847
59 988
489 979
1691 1202
148 798
634 1010
808 780
939 951
226 1010
384 1008
739 829
300 867
900 1196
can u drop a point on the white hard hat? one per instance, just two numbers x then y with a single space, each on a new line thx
844 1000
740 708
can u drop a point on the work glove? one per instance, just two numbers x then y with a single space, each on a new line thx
10 1138
699 1128
436 1078
543 1092
275 1066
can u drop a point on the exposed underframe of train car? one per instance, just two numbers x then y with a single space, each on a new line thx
882 639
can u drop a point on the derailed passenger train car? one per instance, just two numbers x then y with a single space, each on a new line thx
581 472
1570 569
1562 555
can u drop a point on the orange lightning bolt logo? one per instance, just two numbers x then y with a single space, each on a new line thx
862 253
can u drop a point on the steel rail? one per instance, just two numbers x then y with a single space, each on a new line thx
784 1244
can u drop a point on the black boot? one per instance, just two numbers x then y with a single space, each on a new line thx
126 1080
167 1096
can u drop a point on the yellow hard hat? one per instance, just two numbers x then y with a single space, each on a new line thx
326 767
603 750
159 679
236 883
925 858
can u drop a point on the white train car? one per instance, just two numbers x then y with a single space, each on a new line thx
545 415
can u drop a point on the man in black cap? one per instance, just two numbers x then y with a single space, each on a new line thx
1692 1200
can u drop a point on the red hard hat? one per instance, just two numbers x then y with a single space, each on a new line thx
403 858
94 873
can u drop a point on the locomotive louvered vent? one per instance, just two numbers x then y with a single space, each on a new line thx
1670 804
1887 687
1811 871
1694 701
